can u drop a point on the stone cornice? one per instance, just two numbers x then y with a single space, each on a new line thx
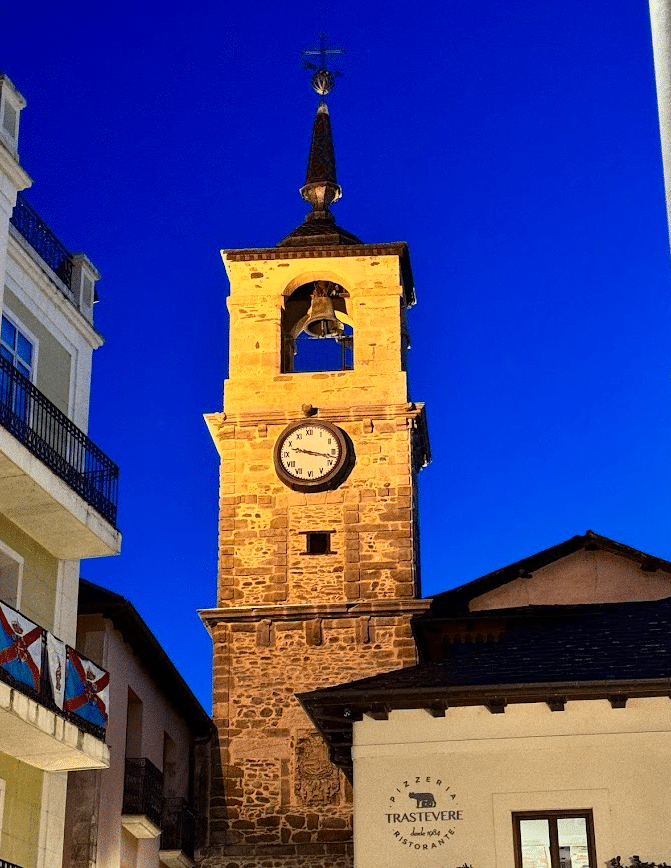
408 410
43 277
394 248
310 611
251 254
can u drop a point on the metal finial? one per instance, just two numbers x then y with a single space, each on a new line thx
323 79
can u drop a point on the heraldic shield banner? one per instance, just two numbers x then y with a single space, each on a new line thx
20 647
86 689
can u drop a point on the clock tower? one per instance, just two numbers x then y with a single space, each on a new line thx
318 574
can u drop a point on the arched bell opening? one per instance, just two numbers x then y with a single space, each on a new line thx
317 333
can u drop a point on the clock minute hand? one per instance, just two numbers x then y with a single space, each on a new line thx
310 452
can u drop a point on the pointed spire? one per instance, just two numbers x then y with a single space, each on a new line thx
321 189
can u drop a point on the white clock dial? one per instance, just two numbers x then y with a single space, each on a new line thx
310 452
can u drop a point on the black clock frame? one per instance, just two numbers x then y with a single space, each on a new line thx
334 477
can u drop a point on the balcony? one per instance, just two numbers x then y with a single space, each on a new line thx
178 826
66 499
53 709
142 798
5 864
43 241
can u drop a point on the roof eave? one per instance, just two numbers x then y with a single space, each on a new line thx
333 711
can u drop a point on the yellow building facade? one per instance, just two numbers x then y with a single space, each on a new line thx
57 506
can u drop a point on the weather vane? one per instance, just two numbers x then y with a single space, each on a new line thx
323 79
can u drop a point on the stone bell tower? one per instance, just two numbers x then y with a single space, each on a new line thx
318 569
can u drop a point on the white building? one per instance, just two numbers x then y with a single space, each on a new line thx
141 811
660 21
57 506
536 729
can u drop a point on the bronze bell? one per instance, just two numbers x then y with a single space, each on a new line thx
321 321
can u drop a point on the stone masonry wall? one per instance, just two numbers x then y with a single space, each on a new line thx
288 622
262 547
276 799
375 306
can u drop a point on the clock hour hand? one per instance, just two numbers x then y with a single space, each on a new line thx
310 452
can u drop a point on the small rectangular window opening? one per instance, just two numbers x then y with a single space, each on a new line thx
317 542
9 119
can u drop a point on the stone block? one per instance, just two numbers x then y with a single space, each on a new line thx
334 823
334 835
295 821
276 596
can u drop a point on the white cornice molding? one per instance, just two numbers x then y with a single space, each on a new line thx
13 170
26 260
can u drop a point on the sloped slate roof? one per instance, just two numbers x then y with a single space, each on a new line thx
318 233
545 644
456 600
540 654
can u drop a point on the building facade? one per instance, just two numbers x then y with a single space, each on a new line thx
140 812
535 731
660 22
320 448
57 506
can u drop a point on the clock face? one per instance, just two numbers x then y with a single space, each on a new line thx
310 454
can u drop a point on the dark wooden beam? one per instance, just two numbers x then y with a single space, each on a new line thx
497 705
437 709
378 712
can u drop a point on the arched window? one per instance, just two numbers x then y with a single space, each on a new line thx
317 332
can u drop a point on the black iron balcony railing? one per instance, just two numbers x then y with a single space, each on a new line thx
5 864
25 665
143 790
178 826
42 240
53 438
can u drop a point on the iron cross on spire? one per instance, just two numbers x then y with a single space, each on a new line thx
323 80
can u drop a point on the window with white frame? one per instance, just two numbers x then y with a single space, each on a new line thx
17 347
10 116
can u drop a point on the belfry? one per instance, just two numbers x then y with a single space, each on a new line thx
318 574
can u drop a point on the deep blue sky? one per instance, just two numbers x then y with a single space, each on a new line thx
513 145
